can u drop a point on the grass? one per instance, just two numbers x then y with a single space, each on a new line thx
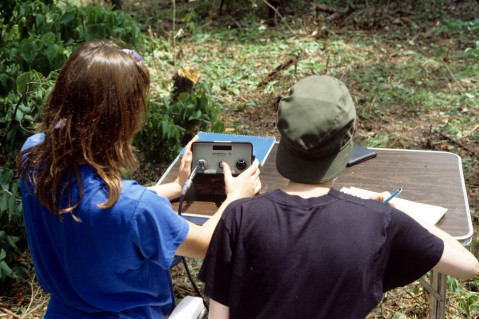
408 68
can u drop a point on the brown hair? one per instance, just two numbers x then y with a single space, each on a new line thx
91 115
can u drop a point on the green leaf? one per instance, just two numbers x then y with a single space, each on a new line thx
28 51
14 188
164 129
4 268
19 115
52 53
22 81
49 37
12 205
3 254
39 20
24 109
95 31
3 202
67 17
6 178
12 241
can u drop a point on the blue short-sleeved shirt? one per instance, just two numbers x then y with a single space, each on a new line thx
115 262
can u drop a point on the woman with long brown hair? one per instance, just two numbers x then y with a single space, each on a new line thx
100 244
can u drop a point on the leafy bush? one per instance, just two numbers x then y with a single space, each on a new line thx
12 223
37 40
37 37
167 124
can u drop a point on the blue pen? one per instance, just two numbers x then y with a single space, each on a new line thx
393 195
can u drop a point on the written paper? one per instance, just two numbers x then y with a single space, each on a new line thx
429 213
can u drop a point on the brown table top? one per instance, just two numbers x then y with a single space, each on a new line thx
429 177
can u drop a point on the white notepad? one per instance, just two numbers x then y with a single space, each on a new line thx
429 213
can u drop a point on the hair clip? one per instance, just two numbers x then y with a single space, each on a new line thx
60 124
134 55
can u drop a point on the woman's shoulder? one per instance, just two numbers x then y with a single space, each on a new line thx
132 190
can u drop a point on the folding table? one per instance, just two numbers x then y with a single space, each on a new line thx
430 177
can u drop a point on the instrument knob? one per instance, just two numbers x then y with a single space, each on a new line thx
241 164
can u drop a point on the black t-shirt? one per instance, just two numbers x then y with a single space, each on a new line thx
282 256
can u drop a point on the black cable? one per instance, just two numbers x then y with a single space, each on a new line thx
200 165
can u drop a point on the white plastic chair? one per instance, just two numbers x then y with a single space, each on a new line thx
189 308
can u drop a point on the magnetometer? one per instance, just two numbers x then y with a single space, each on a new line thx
238 155
208 157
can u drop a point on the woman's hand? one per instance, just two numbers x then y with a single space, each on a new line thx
185 164
246 184
173 189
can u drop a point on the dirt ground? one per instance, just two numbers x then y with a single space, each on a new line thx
407 132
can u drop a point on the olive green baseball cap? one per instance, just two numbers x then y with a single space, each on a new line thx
316 121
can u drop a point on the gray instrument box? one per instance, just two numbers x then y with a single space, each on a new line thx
209 182
238 155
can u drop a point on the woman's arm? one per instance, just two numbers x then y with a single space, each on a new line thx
170 190
173 190
218 311
246 184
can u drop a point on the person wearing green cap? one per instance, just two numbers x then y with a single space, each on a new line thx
309 250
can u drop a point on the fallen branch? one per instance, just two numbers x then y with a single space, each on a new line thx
458 143
293 60
8 312
32 297
236 23
470 132
452 75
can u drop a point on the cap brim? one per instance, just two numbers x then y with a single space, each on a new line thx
311 170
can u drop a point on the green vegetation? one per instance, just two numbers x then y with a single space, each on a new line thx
36 39
168 124
412 69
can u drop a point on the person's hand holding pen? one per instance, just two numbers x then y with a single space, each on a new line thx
397 192
386 197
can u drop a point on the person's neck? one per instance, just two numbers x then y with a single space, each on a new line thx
307 190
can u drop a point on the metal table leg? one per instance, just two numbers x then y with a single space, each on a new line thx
437 290
438 305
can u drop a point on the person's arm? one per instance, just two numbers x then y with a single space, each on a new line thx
173 190
170 190
456 260
246 184
218 311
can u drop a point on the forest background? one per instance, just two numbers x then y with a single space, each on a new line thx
412 68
